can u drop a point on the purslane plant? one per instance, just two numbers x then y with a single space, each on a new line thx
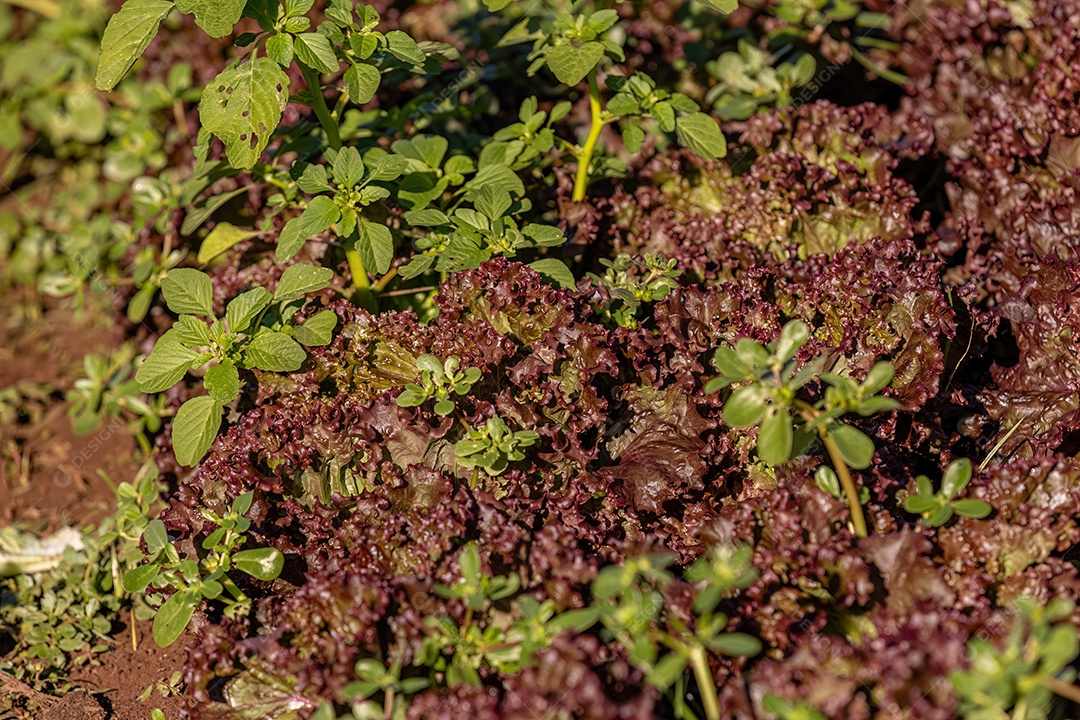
439 381
248 337
769 399
208 578
937 508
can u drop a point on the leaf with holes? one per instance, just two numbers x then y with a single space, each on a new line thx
243 106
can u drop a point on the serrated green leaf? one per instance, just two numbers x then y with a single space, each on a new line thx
317 330
299 280
165 366
314 50
700 134
318 216
571 64
242 309
555 271
348 167
215 17
126 38
274 352
279 48
220 239
243 106
188 291
362 82
259 563
223 382
191 331
376 247
194 428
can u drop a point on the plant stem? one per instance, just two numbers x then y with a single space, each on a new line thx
1065 690
854 506
318 104
585 158
810 413
705 681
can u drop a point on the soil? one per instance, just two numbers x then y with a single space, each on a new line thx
50 477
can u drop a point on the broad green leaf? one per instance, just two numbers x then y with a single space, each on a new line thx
245 307
856 448
279 48
220 239
632 135
126 38
194 428
274 352
493 202
388 167
362 82
972 508
260 563
775 437
555 271
313 179
957 476
173 617
376 247
243 106
348 167
223 382
721 6
317 217
428 149
317 330
299 280
664 115
166 366
215 17
623 104
136 579
405 48
746 406
188 291
426 217
314 50
700 134
191 331
571 64
156 536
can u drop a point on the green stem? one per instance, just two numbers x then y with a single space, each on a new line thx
318 104
705 681
581 183
1065 690
854 506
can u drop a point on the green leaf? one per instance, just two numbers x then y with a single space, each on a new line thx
362 82
493 202
919 504
194 428
665 116
126 38
136 579
555 271
215 17
188 291
279 48
314 50
317 217
404 48
243 106
199 214
223 382
792 337
260 563
746 406
700 134
166 366
220 239
633 136
571 64
299 280
245 307
667 670
388 167
878 378
191 331
856 448
826 479
775 437
721 6
155 536
376 247
739 644
426 217
274 352
972 508
957 476
173 617
317 330
623 104
348 167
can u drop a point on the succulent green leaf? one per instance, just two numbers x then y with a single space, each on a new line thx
746 406
793 336
855 447
775 437
173 616
260 563
957 476
972 508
